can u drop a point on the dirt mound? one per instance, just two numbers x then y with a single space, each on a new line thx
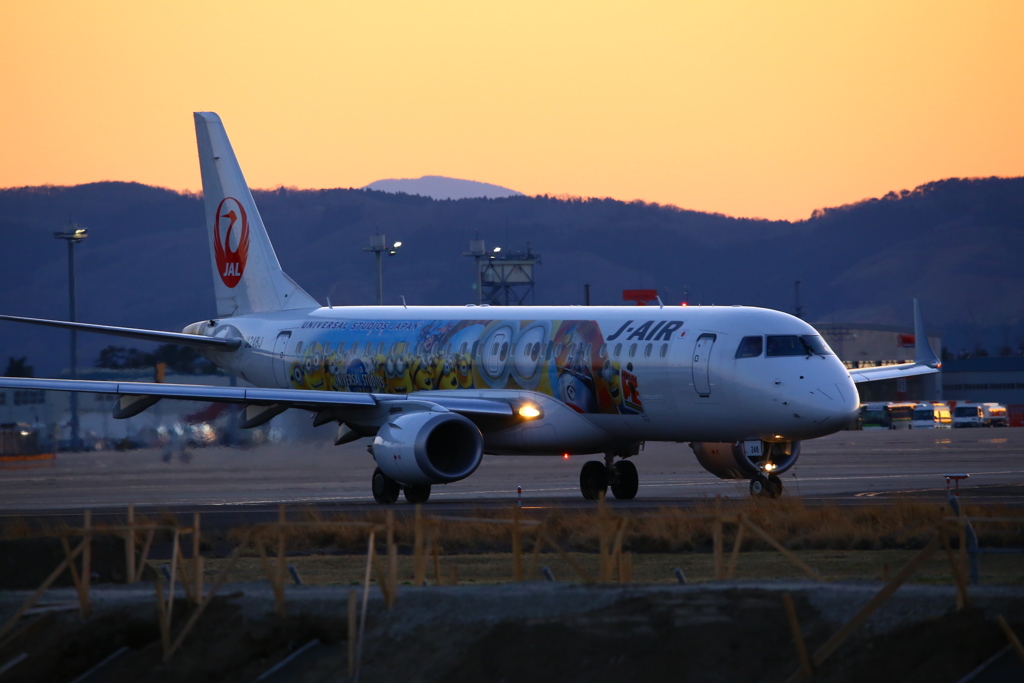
525 632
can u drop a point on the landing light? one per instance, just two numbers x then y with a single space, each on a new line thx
529 412
769 466
565 456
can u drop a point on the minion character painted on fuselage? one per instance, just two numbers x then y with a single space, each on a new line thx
449 378
334 365
313 366
464 371
422 374
612 376
396 371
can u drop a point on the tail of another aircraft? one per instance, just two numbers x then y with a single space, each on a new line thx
247 276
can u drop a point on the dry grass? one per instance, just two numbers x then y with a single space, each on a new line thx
903 524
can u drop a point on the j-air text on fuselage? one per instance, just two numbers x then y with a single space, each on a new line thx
436 388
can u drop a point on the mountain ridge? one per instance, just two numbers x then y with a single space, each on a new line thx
953 243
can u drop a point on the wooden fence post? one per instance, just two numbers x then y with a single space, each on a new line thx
129 547
716 538
353 634
87 560
517 546
734 558
392 568
197 561
604 566
798 636
174 571
419 561
281 559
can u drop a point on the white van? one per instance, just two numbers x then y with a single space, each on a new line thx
980 415
931 415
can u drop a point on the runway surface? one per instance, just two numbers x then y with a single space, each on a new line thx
247 484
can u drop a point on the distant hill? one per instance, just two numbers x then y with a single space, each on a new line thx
440 187
956 244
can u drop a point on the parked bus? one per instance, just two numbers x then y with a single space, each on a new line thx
931 415
886 415
980 415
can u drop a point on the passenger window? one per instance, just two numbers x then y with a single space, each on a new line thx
750 347
298 349
603 351
647 351
355 348
618 350
664 350
632 350
476 344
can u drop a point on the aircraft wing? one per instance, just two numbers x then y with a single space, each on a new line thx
925 360
286 398
891 372
193 340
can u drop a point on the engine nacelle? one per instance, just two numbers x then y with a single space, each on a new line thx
428 448
744 459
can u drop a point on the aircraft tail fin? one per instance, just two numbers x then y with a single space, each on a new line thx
247 276
923 353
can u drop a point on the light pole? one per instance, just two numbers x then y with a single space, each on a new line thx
379 245
73 236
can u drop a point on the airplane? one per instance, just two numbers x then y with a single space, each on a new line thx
437 387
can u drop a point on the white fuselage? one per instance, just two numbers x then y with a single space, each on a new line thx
634 373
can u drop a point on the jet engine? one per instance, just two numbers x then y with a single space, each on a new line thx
745 459
428 447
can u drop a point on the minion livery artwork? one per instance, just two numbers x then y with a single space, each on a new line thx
563 359
435 388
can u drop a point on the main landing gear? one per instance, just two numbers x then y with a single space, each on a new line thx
597 476
766 485
386 490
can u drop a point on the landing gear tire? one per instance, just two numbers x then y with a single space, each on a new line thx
385 489
593 479
417 493
766 486
758 485
629 480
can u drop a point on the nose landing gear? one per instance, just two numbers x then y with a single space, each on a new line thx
766 485
597 476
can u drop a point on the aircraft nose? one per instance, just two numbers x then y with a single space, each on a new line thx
830 404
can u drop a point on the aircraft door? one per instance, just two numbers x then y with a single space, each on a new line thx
280 371
701 364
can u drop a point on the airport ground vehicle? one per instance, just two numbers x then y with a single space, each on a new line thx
932 415
886 415
437 387
980 415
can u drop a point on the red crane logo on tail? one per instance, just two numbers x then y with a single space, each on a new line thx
231 262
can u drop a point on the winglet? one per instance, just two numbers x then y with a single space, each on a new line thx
923 353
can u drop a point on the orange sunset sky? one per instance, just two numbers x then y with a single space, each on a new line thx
767 109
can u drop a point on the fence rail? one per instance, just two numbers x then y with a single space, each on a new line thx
268 541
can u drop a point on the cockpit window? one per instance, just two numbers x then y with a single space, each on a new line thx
797 345
750 347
